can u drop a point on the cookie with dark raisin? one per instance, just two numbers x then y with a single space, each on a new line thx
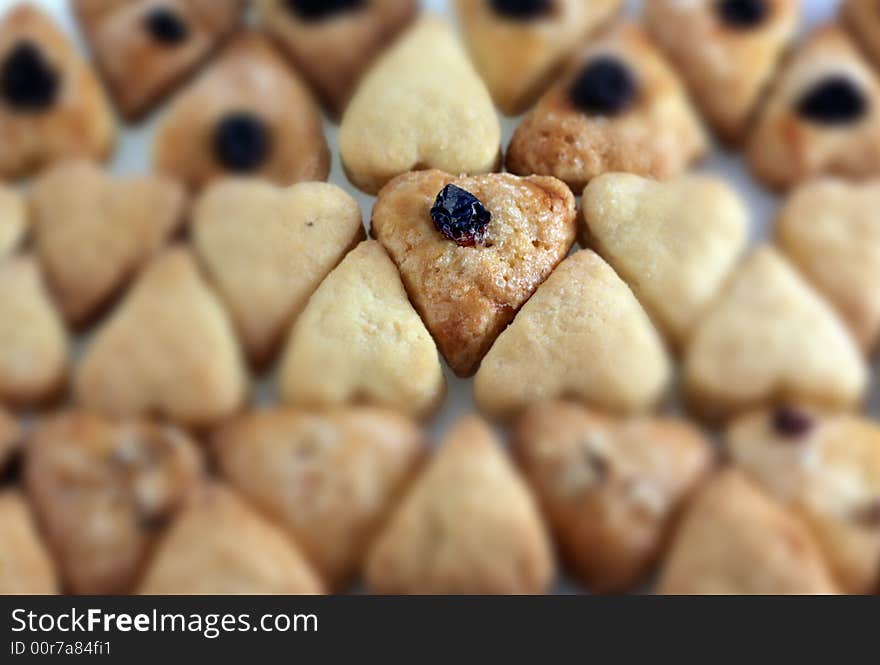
146 48
14 220
610 488
248 114
620 107
26 566
822 116
826 468
727 52
518 46
52 105
104 493
471 250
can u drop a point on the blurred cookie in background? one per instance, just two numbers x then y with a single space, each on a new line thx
25 565
52 105
13 220
863 21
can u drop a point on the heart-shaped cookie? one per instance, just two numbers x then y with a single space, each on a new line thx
421 106
33 342
93 232
219 545
468 525
830 230
518 46
769 338
13 220
168 349
727 52
329 478
620 107
610 488
267 249
821 117
25 565
472 250
146 48
734 539
52 105
674 243
104 493
10 435
582 335
334 43
359 339
826 468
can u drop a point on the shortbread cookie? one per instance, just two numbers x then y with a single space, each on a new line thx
218 545
770 338
93 232
619 108
10 436
104 494
13 220
726 50
25 566
168 349
674 243
334 43
421 106
145 48
735 540
822 116
52 105
472 250
518 46
330 479
863 21
826 468
33 343
609 488
360 340
267 249
468 526
582 335
248 114
830 230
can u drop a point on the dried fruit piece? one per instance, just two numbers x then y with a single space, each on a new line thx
166 27
242 142
460 216
29 83
605 86
791 423
320 10
836 100
522 10
742 14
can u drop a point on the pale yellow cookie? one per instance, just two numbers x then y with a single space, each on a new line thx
13 220
25 565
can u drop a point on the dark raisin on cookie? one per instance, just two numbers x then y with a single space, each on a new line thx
598 465
791 423
27 81
522 10
242 142
460 216
319 10
166 26
742 14
605 86
835 100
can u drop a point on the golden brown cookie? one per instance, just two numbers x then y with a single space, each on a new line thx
727 52
359 340
218 545
769 338
610 488
334 43
469 266
830 230
826 468
168 349
33 342
734 539
619 108
329 478
822 116
25 566
248 114
582 335
10 436
518 47
145 48
13 220
104 493
267 249
863 21
421 106
52 105
92 231
468 525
